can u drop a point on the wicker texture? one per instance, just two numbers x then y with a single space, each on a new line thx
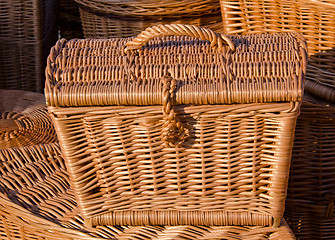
36 202
114 18
24 119
138 165
69 19
314 19
27 31
311 196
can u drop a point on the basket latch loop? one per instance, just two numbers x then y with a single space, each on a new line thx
174 133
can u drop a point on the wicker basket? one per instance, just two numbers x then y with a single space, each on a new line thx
24 119
27 31
314 19
220 156
36 202
117 18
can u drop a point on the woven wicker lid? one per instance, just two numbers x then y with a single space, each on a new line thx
24 119
205 68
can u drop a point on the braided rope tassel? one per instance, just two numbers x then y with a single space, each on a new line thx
173 133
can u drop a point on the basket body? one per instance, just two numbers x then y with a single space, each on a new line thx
37 202
315 20
24 119
28 30
230 169
108 19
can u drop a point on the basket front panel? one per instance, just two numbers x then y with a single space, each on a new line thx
234 160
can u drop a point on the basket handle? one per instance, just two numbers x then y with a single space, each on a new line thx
216 39
173 133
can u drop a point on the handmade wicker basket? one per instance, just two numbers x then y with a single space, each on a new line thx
314 19
27 31
36 202
117 18
217 153
24 119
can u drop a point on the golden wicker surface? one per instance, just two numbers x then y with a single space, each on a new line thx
314 19
24 119
106 19
27 31
190 164
36 202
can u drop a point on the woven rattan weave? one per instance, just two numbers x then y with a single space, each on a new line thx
36 202
314 19
24 119
311 195
217 153
27 32
115 18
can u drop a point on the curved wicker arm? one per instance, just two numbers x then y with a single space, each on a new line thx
216 39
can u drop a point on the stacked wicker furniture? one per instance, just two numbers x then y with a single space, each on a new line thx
24 119
117 18
27 31
310 200
217 152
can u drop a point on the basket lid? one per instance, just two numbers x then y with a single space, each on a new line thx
205 68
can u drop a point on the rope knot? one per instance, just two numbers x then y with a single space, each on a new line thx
173 133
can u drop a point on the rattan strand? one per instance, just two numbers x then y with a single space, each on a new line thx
28 29
232 169
106 19
24 119
314 19
36 202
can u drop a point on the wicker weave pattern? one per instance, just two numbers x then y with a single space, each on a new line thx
232 166
314 19
311 196
24 119
106 19
36 202
27 31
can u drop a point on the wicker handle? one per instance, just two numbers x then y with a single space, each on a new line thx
7 125
216 39
174 133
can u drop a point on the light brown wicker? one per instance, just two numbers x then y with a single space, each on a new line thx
314 19
36 202
219 156
27 31
117 18
24 119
